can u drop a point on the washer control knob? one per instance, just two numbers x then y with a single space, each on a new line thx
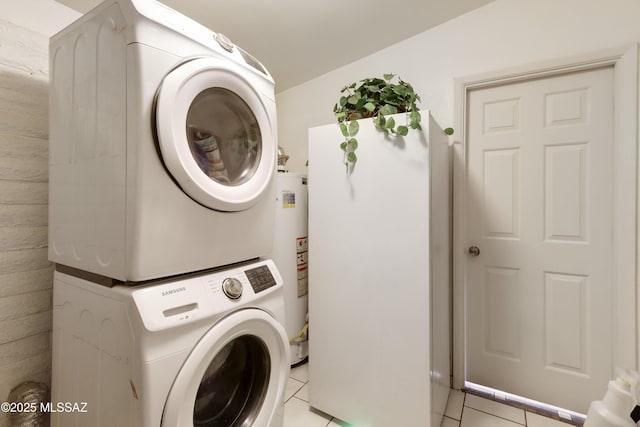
232 287
224 42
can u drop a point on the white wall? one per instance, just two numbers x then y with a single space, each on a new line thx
25 273
500 35
45 17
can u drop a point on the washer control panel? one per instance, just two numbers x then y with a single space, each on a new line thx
260 278
183 300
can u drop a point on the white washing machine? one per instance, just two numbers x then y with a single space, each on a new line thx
162 146
203 350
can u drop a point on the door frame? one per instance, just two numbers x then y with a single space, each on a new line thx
625 197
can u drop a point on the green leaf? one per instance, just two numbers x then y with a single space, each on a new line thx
388 77
351 157
369 106
403 130
343 146
391 123
343 129
352 145
354 127
341 116
400 90
388 110
414 117
449 131
379 121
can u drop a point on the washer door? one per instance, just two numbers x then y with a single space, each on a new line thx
215 135
235 376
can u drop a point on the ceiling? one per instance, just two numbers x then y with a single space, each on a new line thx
298 40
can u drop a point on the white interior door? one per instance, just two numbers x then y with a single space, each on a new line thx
539 197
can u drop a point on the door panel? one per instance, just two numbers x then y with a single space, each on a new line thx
539 192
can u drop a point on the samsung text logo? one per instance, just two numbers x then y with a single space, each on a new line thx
173 291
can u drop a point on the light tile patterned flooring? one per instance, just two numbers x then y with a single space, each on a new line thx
463 410
468 410
296 409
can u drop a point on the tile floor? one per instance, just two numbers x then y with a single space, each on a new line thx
296 409
468 410
463 410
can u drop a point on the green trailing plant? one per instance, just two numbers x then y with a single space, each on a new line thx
378 98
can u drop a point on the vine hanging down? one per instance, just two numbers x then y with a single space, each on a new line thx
376 98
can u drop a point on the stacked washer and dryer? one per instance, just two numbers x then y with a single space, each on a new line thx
162 162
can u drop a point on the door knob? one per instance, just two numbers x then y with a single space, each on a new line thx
474 250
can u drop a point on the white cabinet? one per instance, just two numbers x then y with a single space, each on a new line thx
379 268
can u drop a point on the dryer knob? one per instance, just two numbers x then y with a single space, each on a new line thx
224 42
232 287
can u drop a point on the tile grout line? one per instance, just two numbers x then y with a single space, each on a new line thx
295 392
496 416
304 383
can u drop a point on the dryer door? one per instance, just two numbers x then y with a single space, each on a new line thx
235 376
215 134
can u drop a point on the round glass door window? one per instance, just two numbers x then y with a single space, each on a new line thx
224 136
234 385
216 134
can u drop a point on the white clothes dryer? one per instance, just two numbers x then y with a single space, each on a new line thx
203 350
162 145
